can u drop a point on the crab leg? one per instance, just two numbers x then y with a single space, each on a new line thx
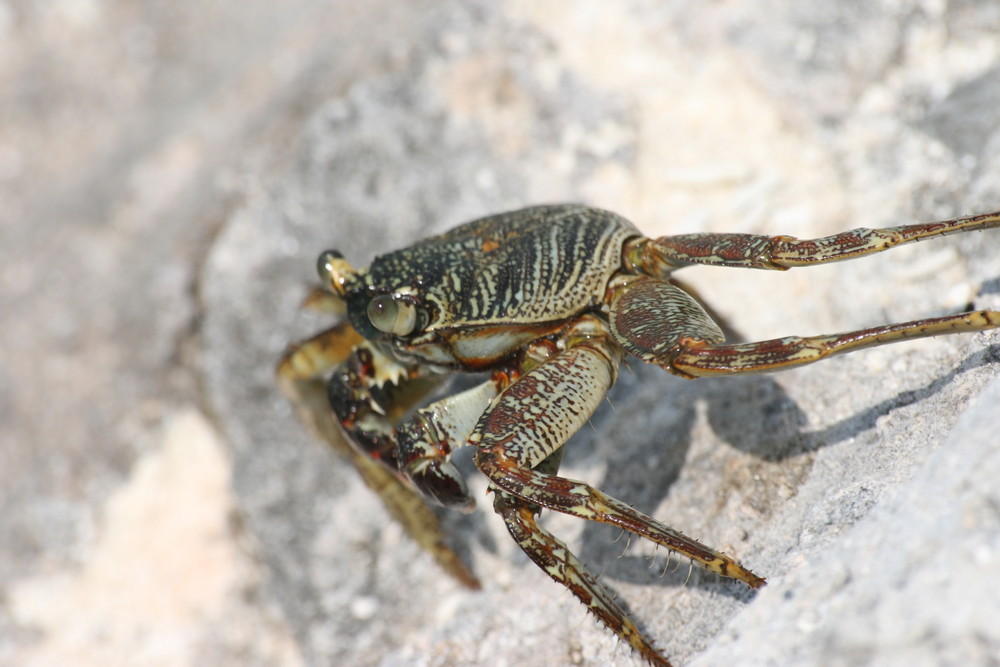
557 561
322 300
661 256
300 375
661 324
697 358
649 316
531 420
424 442
536 415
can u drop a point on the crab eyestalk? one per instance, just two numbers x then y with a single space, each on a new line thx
334 271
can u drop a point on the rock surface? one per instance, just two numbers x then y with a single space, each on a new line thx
168 175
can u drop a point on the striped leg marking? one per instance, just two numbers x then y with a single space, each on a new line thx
658 257
696 358
529 422
557 561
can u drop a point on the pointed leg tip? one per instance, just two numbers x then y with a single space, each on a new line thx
454 566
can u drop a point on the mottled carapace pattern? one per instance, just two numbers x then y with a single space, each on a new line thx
533 266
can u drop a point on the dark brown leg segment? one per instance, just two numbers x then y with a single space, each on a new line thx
301 378
698 358
661 256
557 561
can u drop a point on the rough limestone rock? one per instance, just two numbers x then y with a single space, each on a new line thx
169 174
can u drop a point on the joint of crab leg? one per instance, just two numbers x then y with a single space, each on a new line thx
698 359
619 514
649 317
659 257
524 426
425 442
559 563
579 499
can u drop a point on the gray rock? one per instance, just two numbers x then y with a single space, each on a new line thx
161 228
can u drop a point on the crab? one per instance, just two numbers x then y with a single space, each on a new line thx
546 302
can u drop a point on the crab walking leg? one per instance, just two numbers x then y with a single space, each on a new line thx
537 414
321 300
648 316
557 561
697 358
658 257
300 376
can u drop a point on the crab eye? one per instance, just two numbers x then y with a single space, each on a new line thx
392 316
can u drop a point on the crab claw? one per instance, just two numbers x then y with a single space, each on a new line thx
423 459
